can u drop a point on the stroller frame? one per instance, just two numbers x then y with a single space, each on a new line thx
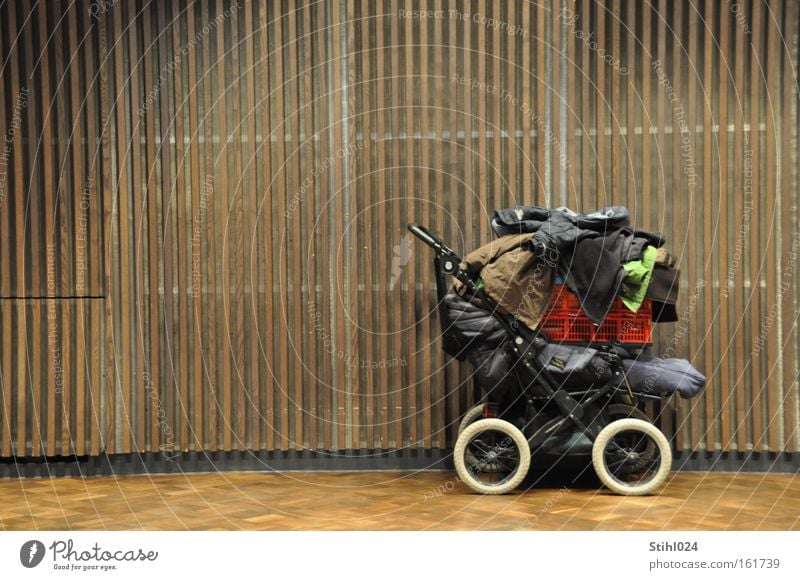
492 453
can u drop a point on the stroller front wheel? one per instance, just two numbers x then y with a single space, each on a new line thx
492 456
632 457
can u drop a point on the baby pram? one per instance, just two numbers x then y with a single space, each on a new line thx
545 395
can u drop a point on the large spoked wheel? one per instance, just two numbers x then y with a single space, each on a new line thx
632 457
492 456
622 411
474 414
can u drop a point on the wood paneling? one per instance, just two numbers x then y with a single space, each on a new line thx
52 384
214 195
50 206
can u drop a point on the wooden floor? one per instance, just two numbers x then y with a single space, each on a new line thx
390 501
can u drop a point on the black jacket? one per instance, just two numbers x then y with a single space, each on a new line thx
589 249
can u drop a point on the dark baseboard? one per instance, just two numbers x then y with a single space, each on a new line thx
209 462
363 460
742 461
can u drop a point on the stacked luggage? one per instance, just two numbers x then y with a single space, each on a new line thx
556 315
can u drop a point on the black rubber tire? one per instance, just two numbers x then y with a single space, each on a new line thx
632 457
492 456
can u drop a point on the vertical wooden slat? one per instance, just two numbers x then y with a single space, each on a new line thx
725 407
34 362
542 195
668 415
616 111
21 437
15 194
631 194
237 235
67 199
526 104
116 254
133 436
755 254
483 125
603 183
789 225
6 375
573 98
588 122
211 303
68 384
509 59
367 195
352 243
327 148
775 288
647 191
381 195
18 217
555 97
265 203
294 246
252 242
689 211
432 377
71 436
282 358
6 221
457 118
706 270
199 202
494 62
340 129
94 58
470 123
681 423
100 414
741 143
221 161
42 178
61 242
155 381
306 224
69 189
394 379
173 183
407 414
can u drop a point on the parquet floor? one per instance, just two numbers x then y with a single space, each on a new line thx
390 501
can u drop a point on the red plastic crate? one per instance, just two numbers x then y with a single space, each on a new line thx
564 321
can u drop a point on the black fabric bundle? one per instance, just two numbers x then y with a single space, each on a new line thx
489 351
572 366
590 250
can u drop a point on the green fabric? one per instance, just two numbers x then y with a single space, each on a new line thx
639 273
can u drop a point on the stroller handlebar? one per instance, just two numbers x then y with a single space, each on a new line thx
438 245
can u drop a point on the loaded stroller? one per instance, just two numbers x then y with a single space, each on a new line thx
554 315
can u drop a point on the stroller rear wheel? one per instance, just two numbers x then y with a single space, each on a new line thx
632 457
622 411
474 414
492 456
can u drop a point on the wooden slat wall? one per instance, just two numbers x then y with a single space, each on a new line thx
51 217
211 198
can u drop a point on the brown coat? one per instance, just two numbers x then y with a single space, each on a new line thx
517 280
